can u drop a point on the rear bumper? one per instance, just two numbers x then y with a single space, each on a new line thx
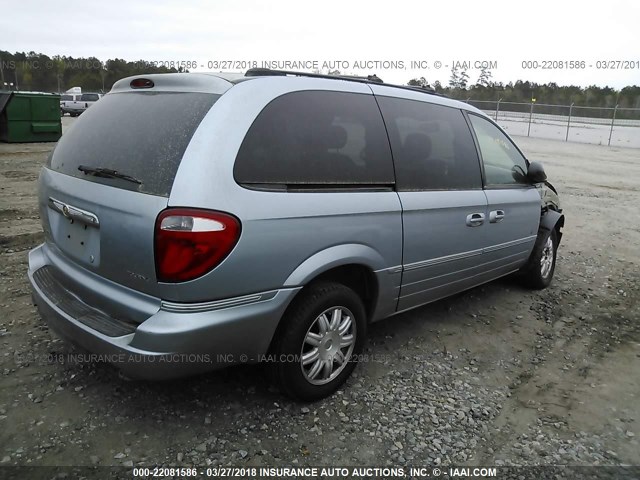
177 340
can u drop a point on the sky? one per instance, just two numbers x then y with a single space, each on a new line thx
533 41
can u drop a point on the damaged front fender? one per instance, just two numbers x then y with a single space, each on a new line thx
551 213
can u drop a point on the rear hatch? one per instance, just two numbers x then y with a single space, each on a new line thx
111 175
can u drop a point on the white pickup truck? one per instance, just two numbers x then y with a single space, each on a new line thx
76 103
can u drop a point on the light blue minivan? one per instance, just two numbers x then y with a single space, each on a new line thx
193 222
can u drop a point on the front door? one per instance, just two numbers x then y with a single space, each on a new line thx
513 202
438 179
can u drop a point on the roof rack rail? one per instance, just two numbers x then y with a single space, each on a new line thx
267 72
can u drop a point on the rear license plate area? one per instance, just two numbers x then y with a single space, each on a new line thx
75 238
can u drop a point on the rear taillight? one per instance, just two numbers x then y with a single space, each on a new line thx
190 242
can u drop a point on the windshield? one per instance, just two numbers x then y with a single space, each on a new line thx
140 134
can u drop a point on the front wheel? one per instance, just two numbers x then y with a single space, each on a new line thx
322 333
539 271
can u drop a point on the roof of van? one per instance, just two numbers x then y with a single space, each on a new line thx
220 82
378 86
266 72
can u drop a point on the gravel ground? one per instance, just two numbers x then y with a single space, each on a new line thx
498 375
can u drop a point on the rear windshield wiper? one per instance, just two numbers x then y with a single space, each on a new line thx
107 173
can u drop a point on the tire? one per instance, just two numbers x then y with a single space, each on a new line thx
304 325
538 272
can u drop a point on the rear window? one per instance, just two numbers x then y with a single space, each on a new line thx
316 139
89 97
66 98
142 134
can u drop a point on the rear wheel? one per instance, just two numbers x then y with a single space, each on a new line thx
539 271
322 332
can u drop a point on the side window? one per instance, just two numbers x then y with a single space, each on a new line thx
503 163
316 138
432 146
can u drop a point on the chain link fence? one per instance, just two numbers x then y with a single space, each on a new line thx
571 123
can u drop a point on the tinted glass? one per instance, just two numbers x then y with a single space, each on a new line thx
432 146
89 97
316 138
65 98
503 163
140 134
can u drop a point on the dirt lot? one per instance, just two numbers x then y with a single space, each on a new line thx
496 375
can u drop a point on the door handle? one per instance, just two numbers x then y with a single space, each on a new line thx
496 216
475 219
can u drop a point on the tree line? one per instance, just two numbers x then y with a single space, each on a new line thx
39 72
460 87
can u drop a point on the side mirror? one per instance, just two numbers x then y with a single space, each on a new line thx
536 174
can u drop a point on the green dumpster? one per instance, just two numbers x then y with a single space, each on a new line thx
29 117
